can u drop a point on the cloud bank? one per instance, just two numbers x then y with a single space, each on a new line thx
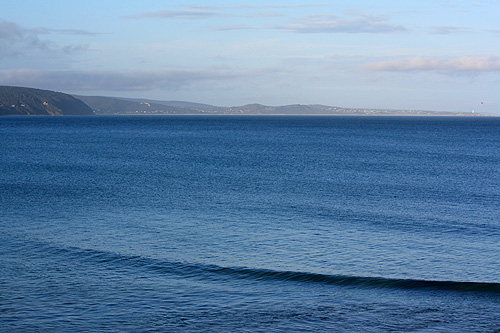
109 80
488 63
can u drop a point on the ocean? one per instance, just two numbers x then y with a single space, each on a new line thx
249 224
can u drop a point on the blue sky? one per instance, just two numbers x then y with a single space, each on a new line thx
427 54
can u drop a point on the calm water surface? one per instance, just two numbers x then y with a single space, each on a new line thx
249 224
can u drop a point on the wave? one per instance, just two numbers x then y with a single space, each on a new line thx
362 281
215 272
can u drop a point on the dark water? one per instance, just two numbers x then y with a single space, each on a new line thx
249 224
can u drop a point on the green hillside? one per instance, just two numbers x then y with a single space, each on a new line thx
28 101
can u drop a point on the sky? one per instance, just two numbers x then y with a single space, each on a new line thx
441 55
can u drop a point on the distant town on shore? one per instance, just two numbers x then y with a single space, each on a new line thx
30 101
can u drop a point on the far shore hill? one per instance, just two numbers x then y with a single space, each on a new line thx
135 106
29 101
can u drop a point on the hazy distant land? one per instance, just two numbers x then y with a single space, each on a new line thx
128 106
29 101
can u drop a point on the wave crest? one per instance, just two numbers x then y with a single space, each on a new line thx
215 272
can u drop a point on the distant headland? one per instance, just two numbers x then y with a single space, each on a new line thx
29 101
36 102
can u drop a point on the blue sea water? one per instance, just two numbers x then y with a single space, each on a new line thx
249 224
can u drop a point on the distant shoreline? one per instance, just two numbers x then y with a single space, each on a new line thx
476 115
262 115
28 102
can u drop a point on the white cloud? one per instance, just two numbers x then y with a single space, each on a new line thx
258 7
362 23
197 11
487 63
232 27
446 29
184 14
